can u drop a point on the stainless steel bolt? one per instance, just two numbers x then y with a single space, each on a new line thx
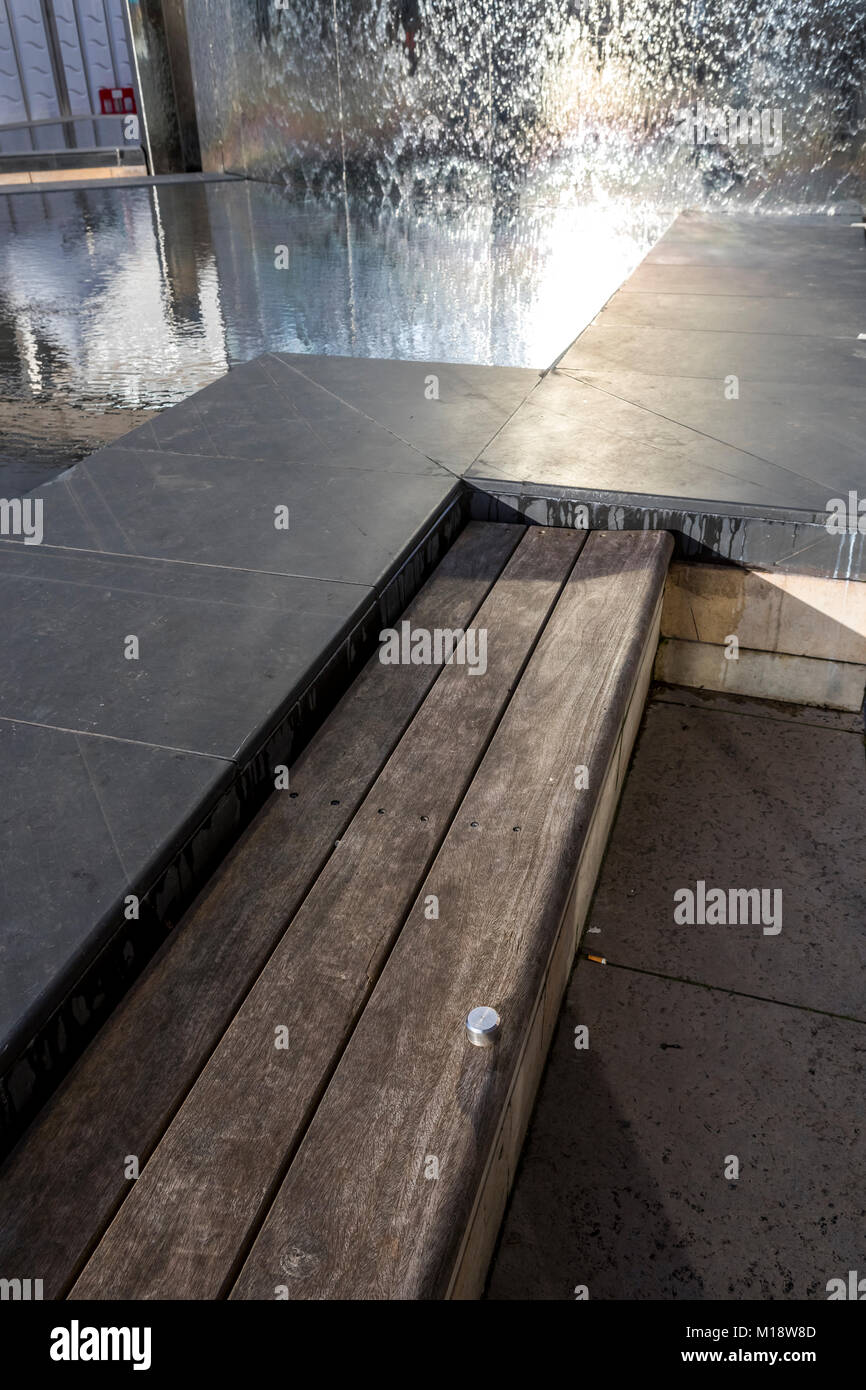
482 1025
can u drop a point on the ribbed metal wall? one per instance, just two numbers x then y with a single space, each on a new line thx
54 57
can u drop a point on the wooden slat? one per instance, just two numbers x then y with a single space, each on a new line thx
186 1224
357 1216
61 1186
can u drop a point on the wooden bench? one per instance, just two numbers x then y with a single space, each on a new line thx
296 1056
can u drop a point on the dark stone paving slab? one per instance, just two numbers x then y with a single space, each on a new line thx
742 802
763 224
747 241
221 651
245 628
790 252
471 403
265 411
622 1183
345 524
354 412
84 821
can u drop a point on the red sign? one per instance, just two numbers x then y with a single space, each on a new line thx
117 101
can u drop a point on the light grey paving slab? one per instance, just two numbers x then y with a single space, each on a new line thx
576 435
445 410
811 433
345 524
778 281
712 233
622 1185
838 217
221 652
741 803
776 245
791 253
261 412
821 317
82 819
615 356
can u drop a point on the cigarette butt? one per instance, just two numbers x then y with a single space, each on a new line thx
599 960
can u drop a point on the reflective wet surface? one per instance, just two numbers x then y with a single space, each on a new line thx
118 302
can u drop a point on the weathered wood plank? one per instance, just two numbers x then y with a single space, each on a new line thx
476 1253
61 1186
198 1201
358 1215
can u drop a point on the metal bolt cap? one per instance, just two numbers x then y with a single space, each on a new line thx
482 1025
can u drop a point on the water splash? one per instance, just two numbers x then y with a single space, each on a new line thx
568 98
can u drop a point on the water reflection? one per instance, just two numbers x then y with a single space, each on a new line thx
118 302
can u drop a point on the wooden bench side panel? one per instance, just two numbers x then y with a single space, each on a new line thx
62 1184
362 1213
190 1216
